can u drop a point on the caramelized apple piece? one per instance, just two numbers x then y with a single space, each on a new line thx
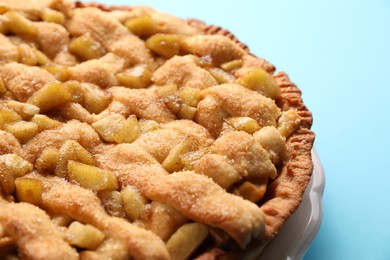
16 165
22 130
246 124
8 116
173 104
84 236
273 141
134 203
186 112
288 122
72 150
44 122
143 26
95 100
135 77
41 58
61 73
221 76
109 126
189 96
7 246
27 55
47 160
18 24
252 192
186 239
91 177
3 89
23 109
173 162
166 91
53 16
231 65
28 190
50 96
112 202
4 24
261 81
86 47
129 131
165 45
75 89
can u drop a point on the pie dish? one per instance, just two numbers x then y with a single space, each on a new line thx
300 229
129 133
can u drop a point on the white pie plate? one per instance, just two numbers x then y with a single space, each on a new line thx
296 235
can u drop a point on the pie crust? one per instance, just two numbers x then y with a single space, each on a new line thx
233 227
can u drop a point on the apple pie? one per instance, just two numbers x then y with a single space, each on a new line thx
129 133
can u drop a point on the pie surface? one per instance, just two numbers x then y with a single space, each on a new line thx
129 133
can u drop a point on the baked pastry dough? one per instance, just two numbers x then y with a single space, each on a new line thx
129 133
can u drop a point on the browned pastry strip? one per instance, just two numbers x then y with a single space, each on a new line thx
96 71
37 238
183 71
52 38
234 100
123 238
142 103
161 141
248 157
8 51
220 48
23 80
213 205
32 10
8 143
194 195
72 130
110 33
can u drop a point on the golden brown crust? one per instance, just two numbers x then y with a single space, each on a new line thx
285 192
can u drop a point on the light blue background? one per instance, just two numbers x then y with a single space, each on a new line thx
338 53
